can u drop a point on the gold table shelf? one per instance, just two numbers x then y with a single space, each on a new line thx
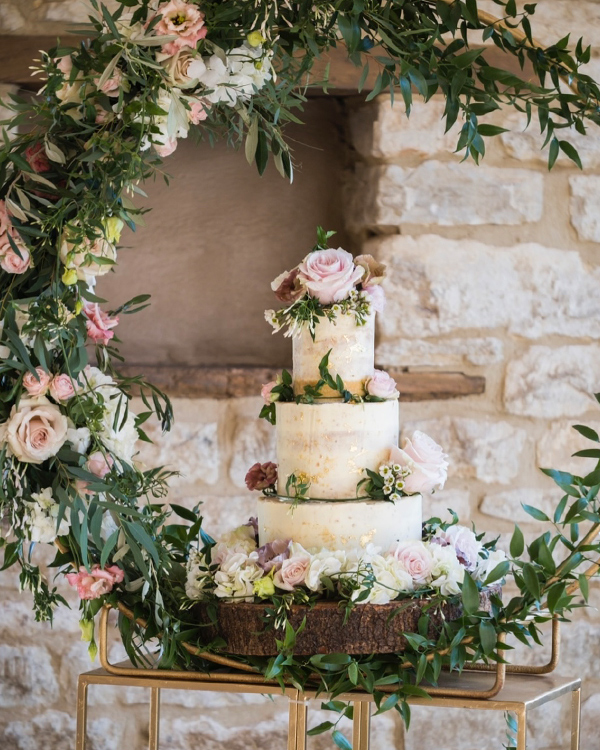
519 694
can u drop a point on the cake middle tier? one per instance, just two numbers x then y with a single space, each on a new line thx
333 443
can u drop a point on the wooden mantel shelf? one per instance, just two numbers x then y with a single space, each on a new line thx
236 382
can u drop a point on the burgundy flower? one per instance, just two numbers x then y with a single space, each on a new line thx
36 158
287 287
261 476
272 554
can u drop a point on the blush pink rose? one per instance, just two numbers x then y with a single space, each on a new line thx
426 460
36 430
37 386
5 224
183 20
97 582
267 392
62 387
381 385
36 158
167 148
198 111
416 559
293 571
9 260
99 464
377 296
112 85
329 275
99 324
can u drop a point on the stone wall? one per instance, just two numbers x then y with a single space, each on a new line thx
493 271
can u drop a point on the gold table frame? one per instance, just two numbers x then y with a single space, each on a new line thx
519 694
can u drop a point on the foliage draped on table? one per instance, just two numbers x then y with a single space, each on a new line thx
109 110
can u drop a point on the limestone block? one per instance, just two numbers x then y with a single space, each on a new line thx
222 514
439 504
11 19
525 143
71 11
192 445
445 194
558 443
55 730
26 676
438 285
547 382
453 352
508 505
254 440
484 449
585 205
383 131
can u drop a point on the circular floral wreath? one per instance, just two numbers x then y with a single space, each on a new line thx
109 110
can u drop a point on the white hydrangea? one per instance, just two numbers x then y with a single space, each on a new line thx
198 576
237 75
79 438
391 580
235 577
448 573
324 564
41 517
241 539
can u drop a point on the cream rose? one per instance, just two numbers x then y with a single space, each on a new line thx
37 385
329 275
374 271
183 67
426 460
381 385
79 257
36 430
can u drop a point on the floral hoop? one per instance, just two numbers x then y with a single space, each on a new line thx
109 110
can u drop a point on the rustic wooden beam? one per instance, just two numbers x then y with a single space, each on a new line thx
17 54
236 382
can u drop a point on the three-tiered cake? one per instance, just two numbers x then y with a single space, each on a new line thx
342 482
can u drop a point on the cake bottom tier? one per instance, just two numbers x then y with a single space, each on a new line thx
341 525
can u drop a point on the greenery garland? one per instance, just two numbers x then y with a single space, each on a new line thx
109 110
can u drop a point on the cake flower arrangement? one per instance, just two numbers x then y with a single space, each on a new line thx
110 109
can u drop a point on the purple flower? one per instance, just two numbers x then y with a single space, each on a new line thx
272 554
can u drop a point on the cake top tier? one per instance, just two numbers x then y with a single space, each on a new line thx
328 283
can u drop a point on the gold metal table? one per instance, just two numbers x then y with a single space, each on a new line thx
520 693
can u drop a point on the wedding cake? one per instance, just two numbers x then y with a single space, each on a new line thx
341 481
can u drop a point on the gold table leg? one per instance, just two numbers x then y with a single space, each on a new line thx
575 718
297 722
361 726
153 729
82 687
521 713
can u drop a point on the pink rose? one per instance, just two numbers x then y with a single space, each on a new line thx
416 560
99 464
426 460
98 323
5 224
288 287
267 392
182 19
261 476
293 571
464 542
112 85
36 430
381 385
9 260
198 111
36 157
377 295
329 275
37 386
97 582
374 271
167 148
62 387
65 64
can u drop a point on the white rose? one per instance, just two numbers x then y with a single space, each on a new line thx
36 430
324 564
485 567
79 256
120 437
241 540
79 438
235 577
448 573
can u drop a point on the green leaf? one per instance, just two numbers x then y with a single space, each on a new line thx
587 432
470 595
341 741
467 58
487 130
320 728
531 581
517 543
487 634
571 152
262 152
387 704
141 535
500 571
108 547
535 513
584 586
553 153
251 141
